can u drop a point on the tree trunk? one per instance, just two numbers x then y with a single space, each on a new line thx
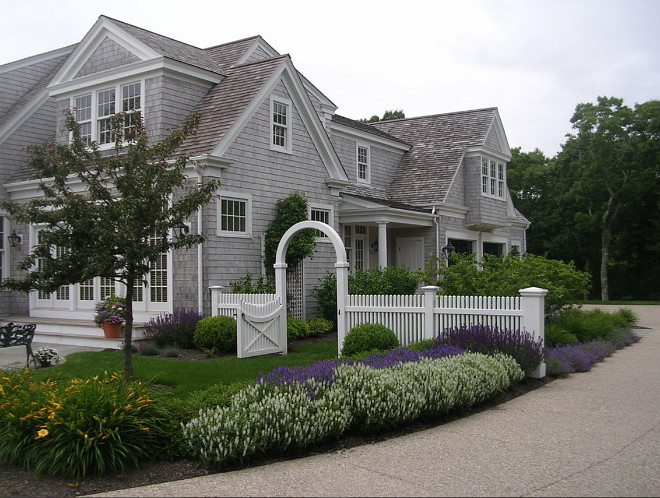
604 260
128 332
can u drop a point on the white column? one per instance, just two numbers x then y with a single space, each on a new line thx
382 245
280 290
532 303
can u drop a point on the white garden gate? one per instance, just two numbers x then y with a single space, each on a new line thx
261 318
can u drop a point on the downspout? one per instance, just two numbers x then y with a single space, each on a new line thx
200 250
436 220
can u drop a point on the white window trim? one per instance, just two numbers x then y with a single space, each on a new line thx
331 217
490 178
235 196
288 138
94 91
358 146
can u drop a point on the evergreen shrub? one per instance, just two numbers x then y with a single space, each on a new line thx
216 333
368 337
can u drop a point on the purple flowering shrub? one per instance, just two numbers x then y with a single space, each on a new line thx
564 360
322 372
173 329
490 340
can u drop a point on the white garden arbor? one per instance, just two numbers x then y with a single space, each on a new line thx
341 265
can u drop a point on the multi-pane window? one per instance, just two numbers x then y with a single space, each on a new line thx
281 120
83 111
86 290
493 249
130 104
492 178
322 215
105 102
158 275
348 241
279 124
94 111
363 164
233 215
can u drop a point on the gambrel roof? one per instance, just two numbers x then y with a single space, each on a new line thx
439 143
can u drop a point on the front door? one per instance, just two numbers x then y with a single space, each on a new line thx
410 252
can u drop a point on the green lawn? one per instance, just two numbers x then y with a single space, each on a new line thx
620 303
186 376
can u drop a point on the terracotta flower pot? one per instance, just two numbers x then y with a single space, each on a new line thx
111 330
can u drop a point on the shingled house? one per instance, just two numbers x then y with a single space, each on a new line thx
396 191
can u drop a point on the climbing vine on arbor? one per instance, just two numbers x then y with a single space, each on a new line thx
289 211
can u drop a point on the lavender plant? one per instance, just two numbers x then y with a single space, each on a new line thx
520 345
173 329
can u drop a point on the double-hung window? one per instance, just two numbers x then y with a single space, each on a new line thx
280 111
324 215
235 215
363 169
492 178
94 111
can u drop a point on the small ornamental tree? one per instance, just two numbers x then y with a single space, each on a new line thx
108 214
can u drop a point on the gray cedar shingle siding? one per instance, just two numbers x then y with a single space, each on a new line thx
108 55
168 101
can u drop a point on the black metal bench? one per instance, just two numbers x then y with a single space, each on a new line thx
19 334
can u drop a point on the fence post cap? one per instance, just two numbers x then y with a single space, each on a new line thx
280 265
430 288
216 287
533 292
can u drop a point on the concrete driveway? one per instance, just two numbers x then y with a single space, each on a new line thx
592 434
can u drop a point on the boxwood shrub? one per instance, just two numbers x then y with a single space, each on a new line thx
216 333
368 337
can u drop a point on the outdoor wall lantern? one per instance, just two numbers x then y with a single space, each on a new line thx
374 246
448 250
15 239
182 229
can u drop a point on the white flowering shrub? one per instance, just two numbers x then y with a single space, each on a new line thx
264 418
388 397
268 417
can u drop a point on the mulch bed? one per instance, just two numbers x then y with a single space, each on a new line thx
15 481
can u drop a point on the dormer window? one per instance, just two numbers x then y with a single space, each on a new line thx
363 169
94 111
280 110
492 178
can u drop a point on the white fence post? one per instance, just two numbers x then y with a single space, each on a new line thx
215 292
532 304
342 297
430 302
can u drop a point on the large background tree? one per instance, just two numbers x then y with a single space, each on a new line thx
108 213
598 201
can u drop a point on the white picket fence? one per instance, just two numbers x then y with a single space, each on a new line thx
408 316
412 318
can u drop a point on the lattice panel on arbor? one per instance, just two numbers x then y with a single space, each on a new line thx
294 289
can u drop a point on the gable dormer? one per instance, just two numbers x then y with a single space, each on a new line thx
121 68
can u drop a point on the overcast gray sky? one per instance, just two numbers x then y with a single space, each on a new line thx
534 60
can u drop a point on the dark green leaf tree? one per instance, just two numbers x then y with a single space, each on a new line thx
602 161
108 213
